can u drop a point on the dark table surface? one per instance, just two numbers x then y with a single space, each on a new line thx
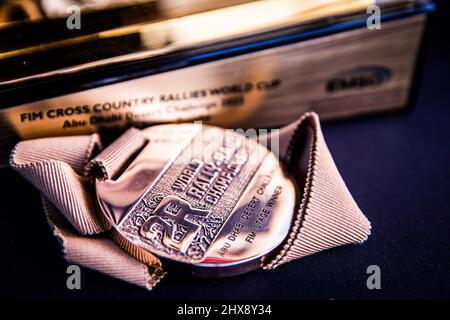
397 166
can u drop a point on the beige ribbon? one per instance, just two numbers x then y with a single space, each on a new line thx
59 167
328 215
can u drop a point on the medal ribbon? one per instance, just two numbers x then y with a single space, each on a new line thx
62 169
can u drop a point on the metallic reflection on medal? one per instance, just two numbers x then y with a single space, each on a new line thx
210 199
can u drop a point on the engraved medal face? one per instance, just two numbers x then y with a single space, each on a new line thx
202 196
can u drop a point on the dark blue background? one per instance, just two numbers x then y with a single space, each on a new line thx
397 166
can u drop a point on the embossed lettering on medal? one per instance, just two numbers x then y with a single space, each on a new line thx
202 196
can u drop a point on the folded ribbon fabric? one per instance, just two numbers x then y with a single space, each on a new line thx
63 169
328 215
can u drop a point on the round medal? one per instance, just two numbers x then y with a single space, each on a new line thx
203 199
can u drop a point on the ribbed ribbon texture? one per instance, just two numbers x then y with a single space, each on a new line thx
59 167
328 215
